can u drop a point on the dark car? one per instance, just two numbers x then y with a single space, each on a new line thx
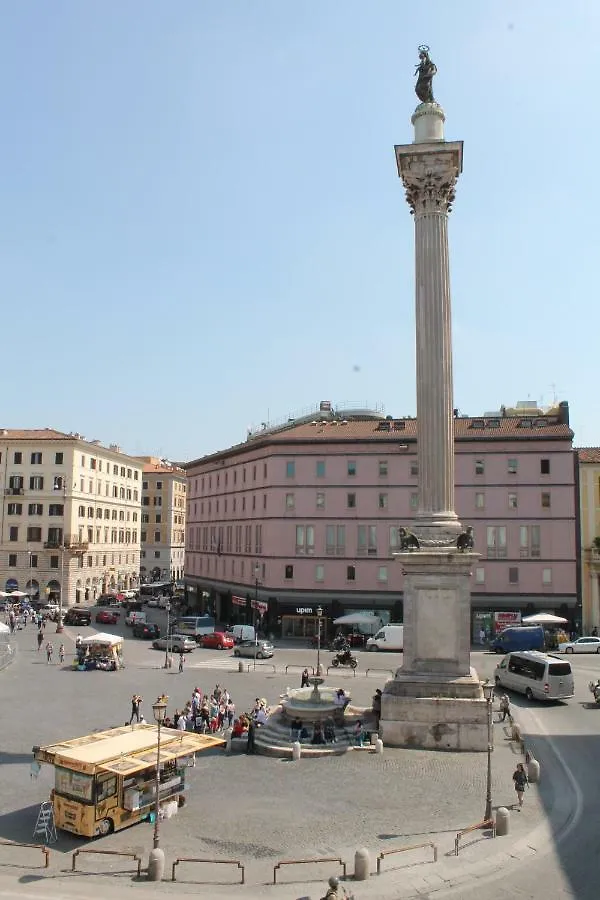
145 631
77 617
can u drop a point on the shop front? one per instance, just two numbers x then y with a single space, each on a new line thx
302 622
491 615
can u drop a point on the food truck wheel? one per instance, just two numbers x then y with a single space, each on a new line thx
105 827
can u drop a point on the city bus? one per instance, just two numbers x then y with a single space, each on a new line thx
106 781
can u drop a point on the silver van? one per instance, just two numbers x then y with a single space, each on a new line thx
537 675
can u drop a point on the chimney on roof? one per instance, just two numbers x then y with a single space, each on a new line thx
563 412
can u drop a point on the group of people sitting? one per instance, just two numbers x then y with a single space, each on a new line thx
324 732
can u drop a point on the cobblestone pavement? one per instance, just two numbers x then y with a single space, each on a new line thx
256 809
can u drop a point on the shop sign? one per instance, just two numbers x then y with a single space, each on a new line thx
304 611
502 620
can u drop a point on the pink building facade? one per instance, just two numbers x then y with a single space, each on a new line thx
307 516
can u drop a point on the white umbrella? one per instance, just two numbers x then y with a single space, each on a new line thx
544 619
18 594
4 594
357 619
4 629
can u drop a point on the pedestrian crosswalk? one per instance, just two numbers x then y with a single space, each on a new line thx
228 662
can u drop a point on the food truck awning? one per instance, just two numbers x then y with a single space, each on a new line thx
125 750
102 638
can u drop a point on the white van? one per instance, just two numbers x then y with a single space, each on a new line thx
390 637
135 617
539 676
242 633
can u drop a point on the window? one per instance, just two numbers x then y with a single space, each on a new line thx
414 500
12 560
546 576
479 500
335 540
351 501
383 501
144 485
290 469
143 536
290 501
157 537
289 573
383 467
15 484
320 468
382 574
512 501
56 509
480 575
513 575
34 534
479 467
54 562
305 540
320 499
14 509
535 541
512 466
414 467
496 542
159 485
158 518
544 466
320 573
36 459
36 483
82 510
157 554
36 509
351 467
13 533
33 560
92 462
394 540
58 459
18 458
367 540
350 573
545 500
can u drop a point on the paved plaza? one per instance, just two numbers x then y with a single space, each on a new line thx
252 808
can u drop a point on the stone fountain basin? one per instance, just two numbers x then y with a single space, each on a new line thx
300 704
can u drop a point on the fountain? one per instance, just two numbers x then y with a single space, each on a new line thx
310 704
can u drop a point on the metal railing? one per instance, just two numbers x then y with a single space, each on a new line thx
216 862
131 855
41 847
300 667
306 862
392 672
385 853
342 670
487 824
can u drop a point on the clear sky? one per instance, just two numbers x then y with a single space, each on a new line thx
202 227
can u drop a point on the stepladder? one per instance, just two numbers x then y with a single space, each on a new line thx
45 826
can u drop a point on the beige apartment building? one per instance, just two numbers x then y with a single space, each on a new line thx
589 505
163 520
70 515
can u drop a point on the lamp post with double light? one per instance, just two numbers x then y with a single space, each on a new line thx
60 484
256 583
156 861
168 641
488 694
319 615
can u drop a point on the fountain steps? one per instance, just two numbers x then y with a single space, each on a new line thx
273 739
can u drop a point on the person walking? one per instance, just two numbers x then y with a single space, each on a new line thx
136 702
305 682
181 658
521 781
504 707
251 745
49 652
61 653
40 640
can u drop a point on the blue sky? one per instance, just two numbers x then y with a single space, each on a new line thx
202 227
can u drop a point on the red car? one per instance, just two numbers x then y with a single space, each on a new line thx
107 617
218 640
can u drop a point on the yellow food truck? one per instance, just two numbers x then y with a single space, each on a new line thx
107 780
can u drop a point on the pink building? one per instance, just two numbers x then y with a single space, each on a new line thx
306 515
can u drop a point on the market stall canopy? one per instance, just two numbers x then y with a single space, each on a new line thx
358 619
18 594
544 619
102 638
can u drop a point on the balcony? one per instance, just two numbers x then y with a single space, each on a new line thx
76 544
14 491
52 545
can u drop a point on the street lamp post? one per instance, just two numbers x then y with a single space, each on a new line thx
488 693
60 483
256 574
156 861
167 654
319 614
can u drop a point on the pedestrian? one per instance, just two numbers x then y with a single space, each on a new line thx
49 652
594 631
521 781
217 692
482 635
40 640
376 707
251 745
136 702
61 653
504 707
305 682
181 661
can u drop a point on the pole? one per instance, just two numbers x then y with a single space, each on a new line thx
168 636
157 786
318 645
488 794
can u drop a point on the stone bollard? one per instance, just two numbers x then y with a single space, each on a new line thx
156 865
533 771
296 750
373 738
228 735
362 864
378 746
516 732
502 821
240 666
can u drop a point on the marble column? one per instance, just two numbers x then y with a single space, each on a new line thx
429 169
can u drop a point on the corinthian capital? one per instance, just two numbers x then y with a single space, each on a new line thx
429 180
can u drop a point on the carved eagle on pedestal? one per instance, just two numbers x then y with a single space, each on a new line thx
465 540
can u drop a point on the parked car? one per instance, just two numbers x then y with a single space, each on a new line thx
146 632
177 643
135 617
108 600
581 645
254 649
76 616
218 640
107 617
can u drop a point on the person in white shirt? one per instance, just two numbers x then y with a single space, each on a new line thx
261 716
182 722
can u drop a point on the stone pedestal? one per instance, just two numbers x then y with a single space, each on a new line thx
435 699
